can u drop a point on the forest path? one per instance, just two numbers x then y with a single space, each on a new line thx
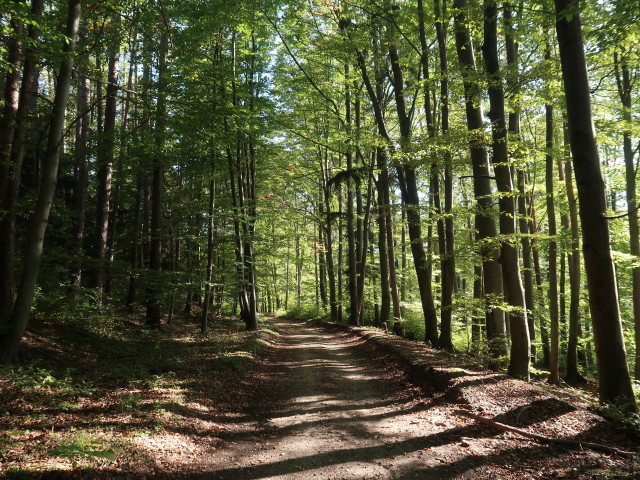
326 407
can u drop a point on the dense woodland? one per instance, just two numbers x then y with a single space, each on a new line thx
425 166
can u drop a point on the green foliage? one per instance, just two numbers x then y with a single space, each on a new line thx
33 378
620 413
81 448
307 312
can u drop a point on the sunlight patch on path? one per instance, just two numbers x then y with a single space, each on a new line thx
330 415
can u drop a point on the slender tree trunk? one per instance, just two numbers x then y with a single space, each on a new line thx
365 213
554 376
38 222
328 238
81 178
448 258
137 237
12 148
614 384
409 188
573 376
351 232
520 344
8 130
385 290
485 221
514 131
155 252
204 321
384 202
323 263
391 256
299 261
623 79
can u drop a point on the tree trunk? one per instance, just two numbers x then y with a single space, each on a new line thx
204 321
485 221
385 290
105 169
38 222
81 175
354 317
135 264
328 239
552 277
12 154
448 267
513 86
384 202
7 169
623 80
573 376
411 200
155 252
364 214
520 343
613 372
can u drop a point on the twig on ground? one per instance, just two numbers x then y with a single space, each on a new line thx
544 439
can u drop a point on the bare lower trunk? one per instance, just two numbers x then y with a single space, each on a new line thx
38 222
573 376
623 80
11 99
485 221
153 315
12 156
385 296
613 371
552 277
409 189
518 328
204 322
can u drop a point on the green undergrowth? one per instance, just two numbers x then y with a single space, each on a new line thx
90 384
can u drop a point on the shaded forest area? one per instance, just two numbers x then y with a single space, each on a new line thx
426 167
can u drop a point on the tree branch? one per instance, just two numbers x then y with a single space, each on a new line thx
544 439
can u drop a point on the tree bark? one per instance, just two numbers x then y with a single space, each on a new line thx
38 222
354 317
520 343
485 221
12 154
204 321
153 315
385 295
573 376
614 384
552 277
105 167
11 99
81 172
623 80
409 188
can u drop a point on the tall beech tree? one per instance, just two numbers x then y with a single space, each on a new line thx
407 180
614 383
520 344
484 217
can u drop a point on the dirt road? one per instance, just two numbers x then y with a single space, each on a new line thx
326 410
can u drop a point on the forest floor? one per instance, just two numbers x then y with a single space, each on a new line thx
315 401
